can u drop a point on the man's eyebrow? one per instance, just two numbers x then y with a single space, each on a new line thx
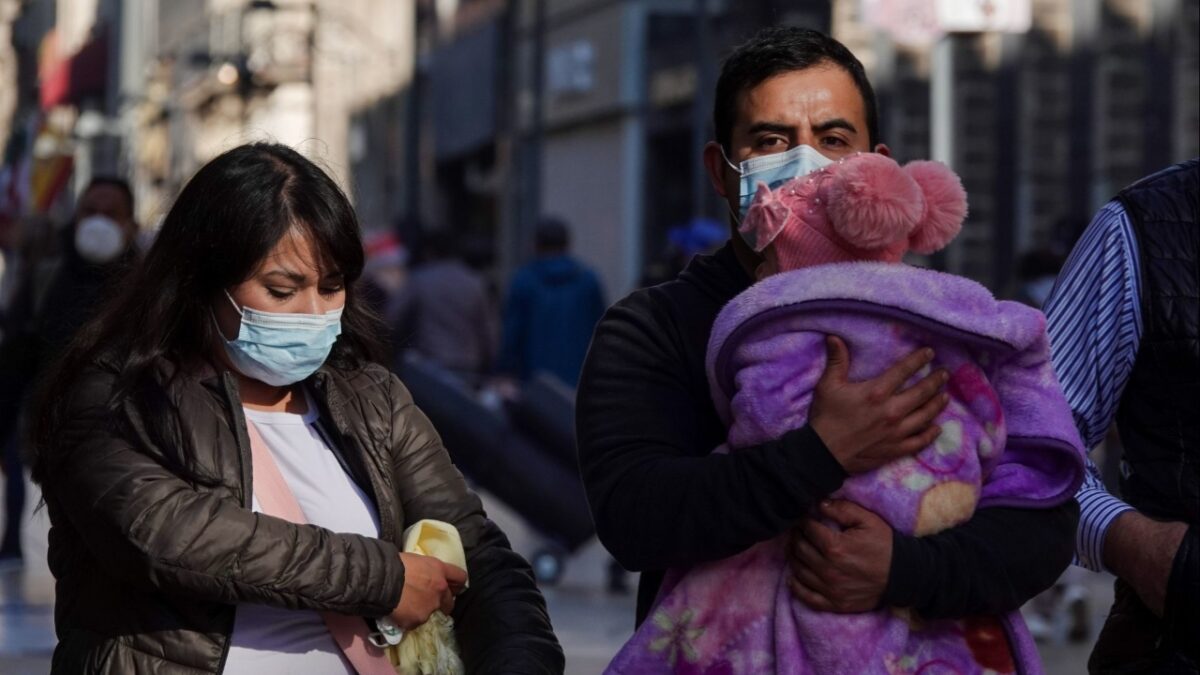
773 127
835 123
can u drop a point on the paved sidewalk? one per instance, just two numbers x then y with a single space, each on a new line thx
27 601
590 623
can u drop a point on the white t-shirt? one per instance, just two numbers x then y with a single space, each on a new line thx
296 642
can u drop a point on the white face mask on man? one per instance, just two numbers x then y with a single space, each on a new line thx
773 170
99 239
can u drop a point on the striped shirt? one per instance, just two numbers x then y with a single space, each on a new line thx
1095 324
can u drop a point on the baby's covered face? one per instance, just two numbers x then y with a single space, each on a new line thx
862 208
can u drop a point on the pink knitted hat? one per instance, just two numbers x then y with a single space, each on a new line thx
864 207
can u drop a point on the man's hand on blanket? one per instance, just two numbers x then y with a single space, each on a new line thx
842 571
868 424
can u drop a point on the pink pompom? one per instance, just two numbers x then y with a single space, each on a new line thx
872 202
945 206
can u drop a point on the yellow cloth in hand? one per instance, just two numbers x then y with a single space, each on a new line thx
430 649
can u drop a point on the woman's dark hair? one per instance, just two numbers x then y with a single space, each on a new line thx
783 49
227 219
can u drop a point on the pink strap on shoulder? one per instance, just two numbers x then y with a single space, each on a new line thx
276 499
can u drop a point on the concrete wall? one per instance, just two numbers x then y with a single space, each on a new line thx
585 181
593 145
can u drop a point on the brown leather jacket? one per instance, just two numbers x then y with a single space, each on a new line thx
150 567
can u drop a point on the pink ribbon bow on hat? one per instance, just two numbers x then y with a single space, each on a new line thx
765 219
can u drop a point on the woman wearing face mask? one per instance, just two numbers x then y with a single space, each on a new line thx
236 371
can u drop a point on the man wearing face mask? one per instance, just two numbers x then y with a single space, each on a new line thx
46 315
787 102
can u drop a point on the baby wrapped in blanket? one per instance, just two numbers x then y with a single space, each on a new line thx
832 243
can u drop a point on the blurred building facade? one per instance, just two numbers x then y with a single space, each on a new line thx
463 136
1046 125
300 72
152 89
481 115
613 106
54 101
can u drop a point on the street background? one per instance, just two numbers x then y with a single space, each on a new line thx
479 116
473 120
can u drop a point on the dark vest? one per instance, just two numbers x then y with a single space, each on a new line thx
1159 415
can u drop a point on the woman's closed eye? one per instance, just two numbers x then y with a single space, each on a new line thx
332 284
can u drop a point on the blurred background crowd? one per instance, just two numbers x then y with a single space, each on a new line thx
478 116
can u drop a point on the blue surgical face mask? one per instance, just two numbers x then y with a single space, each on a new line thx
282 349
774 170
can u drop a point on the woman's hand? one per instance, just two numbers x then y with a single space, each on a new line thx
868 424
429 585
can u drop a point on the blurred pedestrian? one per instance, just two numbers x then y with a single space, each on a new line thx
552 308
1124 322
31 261
700 236
1036 272
384 274
52 301
235 369
1061 612
445 311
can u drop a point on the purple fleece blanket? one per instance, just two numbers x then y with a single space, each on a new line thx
1008 439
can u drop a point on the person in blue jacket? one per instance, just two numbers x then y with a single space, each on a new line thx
553 305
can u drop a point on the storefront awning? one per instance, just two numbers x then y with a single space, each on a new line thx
463 78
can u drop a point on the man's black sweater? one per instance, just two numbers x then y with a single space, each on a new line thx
647 428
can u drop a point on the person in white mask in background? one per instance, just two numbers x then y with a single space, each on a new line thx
52 301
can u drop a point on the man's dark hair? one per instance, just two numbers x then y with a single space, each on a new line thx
784 49
552 236
112 181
